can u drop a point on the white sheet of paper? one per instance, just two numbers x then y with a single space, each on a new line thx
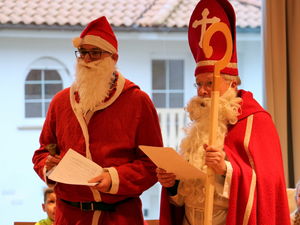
76 169
168 159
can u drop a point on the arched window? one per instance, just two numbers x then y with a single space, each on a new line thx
42 82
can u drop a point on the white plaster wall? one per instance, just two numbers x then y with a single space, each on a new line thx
21 188
250 68
135 61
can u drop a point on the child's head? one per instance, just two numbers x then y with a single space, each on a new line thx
49 203
297 196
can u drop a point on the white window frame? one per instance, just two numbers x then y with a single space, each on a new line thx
168 91
43 83
42 63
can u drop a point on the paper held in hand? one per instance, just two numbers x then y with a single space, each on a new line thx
168 159
76 169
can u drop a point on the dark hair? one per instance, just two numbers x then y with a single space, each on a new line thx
47 191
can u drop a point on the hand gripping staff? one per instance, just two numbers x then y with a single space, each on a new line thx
219 65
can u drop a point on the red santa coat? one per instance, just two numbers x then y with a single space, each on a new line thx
113 134
258 191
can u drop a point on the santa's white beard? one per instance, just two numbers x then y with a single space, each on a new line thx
93 82
197 132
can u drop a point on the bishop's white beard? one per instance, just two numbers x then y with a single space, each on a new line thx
93 82
197 132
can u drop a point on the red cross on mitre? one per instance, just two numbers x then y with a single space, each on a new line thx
206 13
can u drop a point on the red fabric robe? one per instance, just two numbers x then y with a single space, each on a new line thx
269 205
114 135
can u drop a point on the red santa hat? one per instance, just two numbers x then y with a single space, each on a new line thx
98 33
206 13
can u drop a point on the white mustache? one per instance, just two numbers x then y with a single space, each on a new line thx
89 65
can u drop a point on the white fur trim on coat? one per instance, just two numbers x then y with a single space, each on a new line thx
115 181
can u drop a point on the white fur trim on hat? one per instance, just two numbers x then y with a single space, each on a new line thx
76 42
94 40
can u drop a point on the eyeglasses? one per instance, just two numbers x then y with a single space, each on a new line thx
206 84
93 54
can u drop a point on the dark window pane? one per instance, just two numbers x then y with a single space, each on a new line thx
51 75
158 75
176 100
51 90
159 100
34 75
33 110
176 74
33 91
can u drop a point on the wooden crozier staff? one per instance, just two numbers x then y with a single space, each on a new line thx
219 65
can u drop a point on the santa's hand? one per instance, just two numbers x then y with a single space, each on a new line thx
215 158
104 182
52 161
164 178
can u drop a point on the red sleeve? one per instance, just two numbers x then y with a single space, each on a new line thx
47 137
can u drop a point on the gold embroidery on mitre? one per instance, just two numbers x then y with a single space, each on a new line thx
203 22
213 62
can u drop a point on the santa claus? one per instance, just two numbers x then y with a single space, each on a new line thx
104 117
